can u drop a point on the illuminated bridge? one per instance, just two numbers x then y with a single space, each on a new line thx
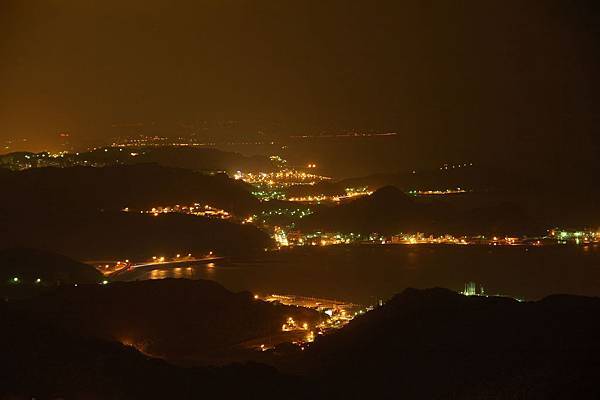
119 268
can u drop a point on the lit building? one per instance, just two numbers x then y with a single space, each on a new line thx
470 289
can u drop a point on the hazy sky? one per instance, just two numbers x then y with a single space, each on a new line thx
470 77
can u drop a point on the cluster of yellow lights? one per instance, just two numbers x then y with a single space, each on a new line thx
108 269
297 238
177 257
420 238
453 166
286 177
195 209
339 312
280 236
323 198
291 325
438 192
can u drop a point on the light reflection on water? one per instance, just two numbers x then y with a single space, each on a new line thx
204 271
366 274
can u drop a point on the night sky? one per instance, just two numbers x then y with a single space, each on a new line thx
505 80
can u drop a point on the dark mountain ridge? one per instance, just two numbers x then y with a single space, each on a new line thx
128 235
178 319
117 187
389 211
471 347
431 343
47 362
554 196
29 265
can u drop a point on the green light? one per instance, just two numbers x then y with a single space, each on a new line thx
15 279
38 280
105 282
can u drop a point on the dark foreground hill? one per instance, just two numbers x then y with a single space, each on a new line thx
435 343
32 266
173 318
140 186
120 235
390 211
42 361
422 344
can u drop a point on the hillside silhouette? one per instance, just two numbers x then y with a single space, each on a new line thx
435 343
476 178
431 343
77 212
31 265
389 211
177 319
550 199
139 186
127 235
41 360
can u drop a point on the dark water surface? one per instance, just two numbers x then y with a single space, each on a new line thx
367 273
